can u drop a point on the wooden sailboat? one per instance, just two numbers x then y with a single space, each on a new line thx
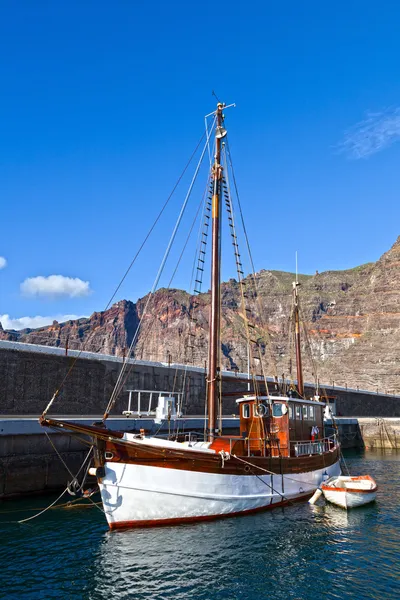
147 480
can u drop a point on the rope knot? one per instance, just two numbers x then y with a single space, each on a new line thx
224 456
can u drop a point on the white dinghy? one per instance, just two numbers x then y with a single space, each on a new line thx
347 492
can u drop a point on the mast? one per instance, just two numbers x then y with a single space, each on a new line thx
214 324
299 366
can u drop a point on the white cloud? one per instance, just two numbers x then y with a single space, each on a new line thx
3 262
55 286
33 322
377 131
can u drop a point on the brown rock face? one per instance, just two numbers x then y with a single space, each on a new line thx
352 318
361 332
108 332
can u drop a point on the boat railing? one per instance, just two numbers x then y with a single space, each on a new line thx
271 447
192 437
146 402
309 447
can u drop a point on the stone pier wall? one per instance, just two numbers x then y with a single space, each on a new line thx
29 379
380 433
29 464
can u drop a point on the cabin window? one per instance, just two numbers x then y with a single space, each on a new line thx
305 412
261 410
246 411
298 412
290 411
277 410
311 413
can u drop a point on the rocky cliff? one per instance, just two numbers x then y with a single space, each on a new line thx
352 320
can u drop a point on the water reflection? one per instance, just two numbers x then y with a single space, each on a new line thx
299 552
281 554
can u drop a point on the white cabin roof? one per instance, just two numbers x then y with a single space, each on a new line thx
279 399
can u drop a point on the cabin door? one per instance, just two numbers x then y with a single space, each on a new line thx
280 429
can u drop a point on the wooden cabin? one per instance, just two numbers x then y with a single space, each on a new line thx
280 426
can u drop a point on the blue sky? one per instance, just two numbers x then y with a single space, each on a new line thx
102 104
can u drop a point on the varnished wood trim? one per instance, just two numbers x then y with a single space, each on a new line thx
92 430
167 458
353 490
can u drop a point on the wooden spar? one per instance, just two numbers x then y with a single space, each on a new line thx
299 366
214 325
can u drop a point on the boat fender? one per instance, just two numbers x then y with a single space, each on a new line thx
315 496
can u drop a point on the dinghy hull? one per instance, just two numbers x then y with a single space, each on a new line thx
350 492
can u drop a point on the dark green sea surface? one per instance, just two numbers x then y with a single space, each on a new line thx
299 552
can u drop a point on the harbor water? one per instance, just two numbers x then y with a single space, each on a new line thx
297 552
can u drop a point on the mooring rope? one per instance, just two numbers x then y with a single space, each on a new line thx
69 504
74 477
59 455
45 509
66 489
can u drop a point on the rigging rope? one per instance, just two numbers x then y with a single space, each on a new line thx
117 387
262 480
266 470
253 274
146 333
84 345
240 274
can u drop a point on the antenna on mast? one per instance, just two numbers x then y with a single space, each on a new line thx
214 94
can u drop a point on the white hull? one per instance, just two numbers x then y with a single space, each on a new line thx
350 498
137 495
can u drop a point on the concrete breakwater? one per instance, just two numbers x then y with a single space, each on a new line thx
30 374
380 433
29 462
